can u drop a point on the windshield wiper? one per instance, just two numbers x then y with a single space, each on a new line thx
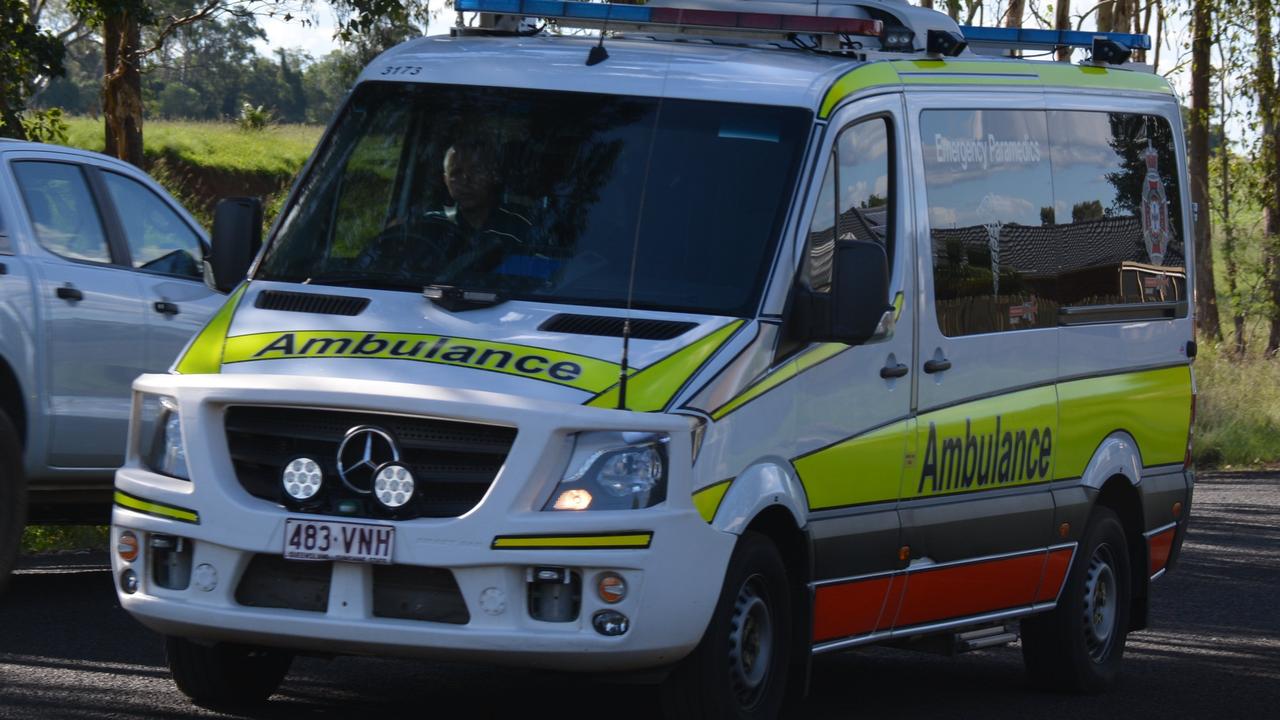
454 298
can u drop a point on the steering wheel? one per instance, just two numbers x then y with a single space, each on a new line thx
416 245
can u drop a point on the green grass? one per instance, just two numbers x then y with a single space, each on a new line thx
1237 410
277 150
52 538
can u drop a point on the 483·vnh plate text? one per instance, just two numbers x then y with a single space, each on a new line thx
352 542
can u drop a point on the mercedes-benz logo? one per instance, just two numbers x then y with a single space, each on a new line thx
363 450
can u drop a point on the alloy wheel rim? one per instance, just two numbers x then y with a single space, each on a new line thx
750 642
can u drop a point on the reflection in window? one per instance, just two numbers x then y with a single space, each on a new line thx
63 213
991 219
860 168
159 241
1118 206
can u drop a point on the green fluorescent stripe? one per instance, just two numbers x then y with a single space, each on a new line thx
204 354
570 542
1153 406
810 357
151 507
568 369
862 470
653 388
989 72
708 499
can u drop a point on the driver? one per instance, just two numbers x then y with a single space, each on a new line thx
484 230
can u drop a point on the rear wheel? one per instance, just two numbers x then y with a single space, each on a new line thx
739 670
1078 646
226 675
13 498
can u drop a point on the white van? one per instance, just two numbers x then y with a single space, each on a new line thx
751 334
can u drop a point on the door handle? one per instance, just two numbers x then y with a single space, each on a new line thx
934 366
69 292
888 372
164 307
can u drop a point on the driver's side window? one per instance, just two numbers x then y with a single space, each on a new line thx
159 240
854 201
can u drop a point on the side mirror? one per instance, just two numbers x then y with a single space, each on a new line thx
855 309
237 235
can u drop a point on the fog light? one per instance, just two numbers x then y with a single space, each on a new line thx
205 577
393 485
129 582
611 587
610 623
576 499
127 546
302 478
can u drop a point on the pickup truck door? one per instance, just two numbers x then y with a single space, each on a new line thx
90 311
166 253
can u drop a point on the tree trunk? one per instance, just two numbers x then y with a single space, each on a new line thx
953 9
1269 159
1198 170
1013 18
1122 19
1228 230
926 4
1062 21
1106 15
122 87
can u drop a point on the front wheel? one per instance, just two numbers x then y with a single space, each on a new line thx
222 675
13 498
739 670
1078 646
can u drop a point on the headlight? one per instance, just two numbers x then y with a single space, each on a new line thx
613 471
161 448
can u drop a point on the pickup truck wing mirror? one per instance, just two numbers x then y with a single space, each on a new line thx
237 236
857 308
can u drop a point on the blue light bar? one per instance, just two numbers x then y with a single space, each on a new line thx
1047 39
559 9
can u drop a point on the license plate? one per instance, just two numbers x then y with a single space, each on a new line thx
350 542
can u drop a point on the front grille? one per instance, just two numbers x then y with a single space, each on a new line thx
418 593
453 463
270 581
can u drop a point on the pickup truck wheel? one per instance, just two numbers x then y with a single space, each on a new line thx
226 676
1077 647
13 498
739 669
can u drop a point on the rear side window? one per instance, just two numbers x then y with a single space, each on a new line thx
995 250
1118 208
1036 216
159 241
62 210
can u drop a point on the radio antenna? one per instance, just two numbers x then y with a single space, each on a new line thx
635 240
598 54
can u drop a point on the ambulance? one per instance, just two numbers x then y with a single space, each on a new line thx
732 335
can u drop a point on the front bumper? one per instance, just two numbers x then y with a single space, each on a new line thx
673 583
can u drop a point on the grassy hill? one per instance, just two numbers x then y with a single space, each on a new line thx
201 162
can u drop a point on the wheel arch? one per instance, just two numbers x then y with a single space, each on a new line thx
1121 496
12 400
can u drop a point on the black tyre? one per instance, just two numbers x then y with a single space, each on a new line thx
226 676
1078 646
739 669
13 498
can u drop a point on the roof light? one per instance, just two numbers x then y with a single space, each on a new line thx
1106 50
945 43
1047 39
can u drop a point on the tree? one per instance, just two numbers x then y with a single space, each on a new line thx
1269 156
27 56
1198 168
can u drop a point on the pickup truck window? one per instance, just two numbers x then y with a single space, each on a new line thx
6 246
63 213
159 241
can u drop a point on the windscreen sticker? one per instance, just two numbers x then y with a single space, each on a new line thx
576 371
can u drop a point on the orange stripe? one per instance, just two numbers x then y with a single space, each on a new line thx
1160 546
848 609
1055 573
963 590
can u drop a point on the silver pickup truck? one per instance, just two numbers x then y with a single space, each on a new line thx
102 278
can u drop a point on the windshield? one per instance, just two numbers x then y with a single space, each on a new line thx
539 194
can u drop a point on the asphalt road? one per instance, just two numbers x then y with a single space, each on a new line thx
68 651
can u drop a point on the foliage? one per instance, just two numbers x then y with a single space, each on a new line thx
46 126
54 538
26 55
254 118
1237 410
